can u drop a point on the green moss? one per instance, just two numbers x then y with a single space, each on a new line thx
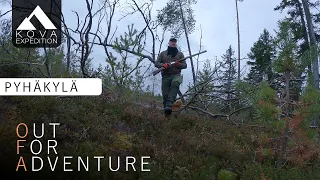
226 175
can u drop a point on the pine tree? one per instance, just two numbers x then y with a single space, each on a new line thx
298 24
293 145
304 23
170 17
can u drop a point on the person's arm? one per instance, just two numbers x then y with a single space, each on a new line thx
182 64
158 63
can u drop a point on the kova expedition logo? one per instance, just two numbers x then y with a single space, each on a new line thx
36 23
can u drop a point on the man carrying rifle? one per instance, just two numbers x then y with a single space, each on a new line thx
171 74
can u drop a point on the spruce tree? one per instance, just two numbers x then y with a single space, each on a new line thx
261 56
229 79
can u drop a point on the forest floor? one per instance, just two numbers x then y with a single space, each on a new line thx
185 147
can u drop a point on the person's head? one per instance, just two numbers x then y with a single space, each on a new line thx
173 42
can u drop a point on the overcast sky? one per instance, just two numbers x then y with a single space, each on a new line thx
217 20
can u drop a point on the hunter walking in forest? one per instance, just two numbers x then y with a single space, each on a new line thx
171 74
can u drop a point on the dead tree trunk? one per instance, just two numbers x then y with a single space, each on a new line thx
238 31
284 137
188 43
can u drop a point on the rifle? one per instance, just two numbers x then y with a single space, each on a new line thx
160 69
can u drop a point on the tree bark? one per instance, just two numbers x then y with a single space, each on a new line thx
315 64
304 28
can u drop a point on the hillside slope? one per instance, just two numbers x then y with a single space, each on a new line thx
187 147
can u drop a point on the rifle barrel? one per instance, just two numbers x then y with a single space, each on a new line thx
194 54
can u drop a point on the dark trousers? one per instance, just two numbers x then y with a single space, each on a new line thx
170 88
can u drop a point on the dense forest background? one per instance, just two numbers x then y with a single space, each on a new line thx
259 125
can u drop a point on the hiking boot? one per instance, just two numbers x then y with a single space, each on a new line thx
168 108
